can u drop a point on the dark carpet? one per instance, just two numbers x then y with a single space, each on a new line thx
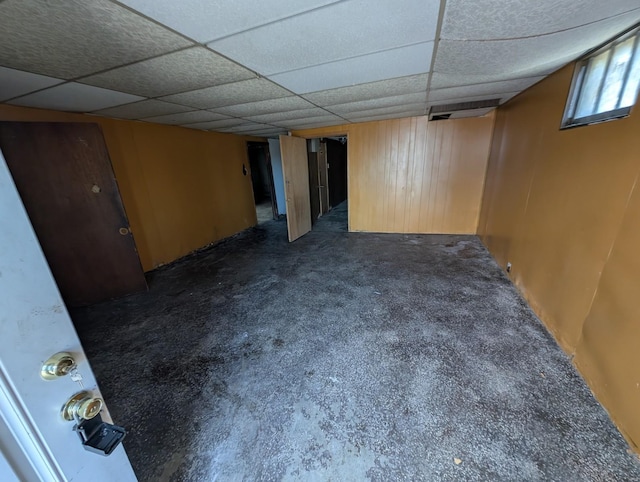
344 356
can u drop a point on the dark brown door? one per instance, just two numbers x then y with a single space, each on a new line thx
64 176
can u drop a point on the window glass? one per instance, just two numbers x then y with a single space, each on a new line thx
605 84
631 89
615 76
591 86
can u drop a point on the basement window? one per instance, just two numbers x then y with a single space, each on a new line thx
605 83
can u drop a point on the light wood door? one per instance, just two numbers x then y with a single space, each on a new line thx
295 168
64 176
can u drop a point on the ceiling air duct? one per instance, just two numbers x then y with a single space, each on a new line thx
476 108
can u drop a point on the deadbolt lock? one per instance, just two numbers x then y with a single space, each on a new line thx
58 366
82 406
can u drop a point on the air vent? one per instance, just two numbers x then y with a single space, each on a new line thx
457 110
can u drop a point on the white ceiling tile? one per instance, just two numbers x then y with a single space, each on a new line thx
142 109
330 121
322 119
398 115
186 117
493 19
75 97
371 90
267 133
400 62
245 127
483 89
288 115
442 81
14 83
387 110
189 69
417 98
216 124
73 38
228 94
266 107
204 20
336 32
527 57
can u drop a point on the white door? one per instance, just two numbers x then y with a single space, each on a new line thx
36 443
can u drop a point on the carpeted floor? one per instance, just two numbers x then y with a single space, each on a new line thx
344 356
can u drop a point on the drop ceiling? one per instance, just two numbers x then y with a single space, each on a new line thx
269 66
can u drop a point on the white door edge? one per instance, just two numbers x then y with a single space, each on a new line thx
25 437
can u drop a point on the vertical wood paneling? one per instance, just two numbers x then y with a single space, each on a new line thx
181 188
562 206
414 176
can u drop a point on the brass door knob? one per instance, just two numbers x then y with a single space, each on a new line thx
57 366
83 405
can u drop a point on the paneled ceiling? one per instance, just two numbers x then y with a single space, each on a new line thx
267 66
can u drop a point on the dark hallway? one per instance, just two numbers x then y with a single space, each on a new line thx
344 356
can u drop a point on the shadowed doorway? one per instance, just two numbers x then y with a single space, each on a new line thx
262 181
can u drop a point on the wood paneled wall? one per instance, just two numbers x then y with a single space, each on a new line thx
563 207
181 188
414 176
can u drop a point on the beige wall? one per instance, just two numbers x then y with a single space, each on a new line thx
414 176
563 208
182 188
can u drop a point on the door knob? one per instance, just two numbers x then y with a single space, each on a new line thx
95 434
81 406
57 366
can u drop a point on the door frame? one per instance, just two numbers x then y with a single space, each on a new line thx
272 187
327 132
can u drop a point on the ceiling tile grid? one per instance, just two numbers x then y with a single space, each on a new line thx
288 115
186 117
493 20
215 124
142 109
482 89
337 32
268 106
386 111
185 70
398 62
75 97
205 21
399 115
489 43
246 127
274 65
371 90
321 119
14 83
71 38
251 90
417 99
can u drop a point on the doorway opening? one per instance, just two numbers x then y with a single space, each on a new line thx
328 183
262 181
